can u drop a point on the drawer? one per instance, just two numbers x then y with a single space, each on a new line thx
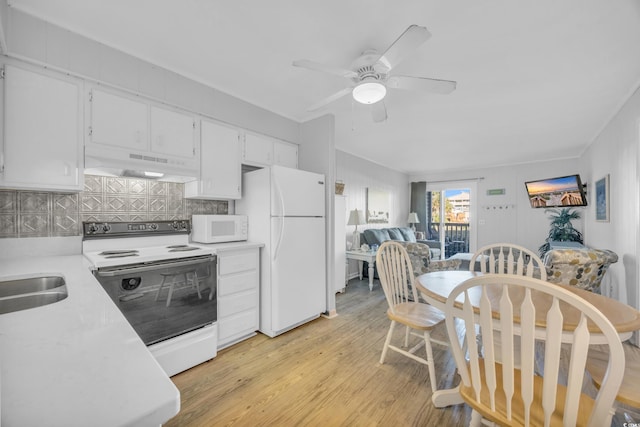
237 325
233 263
236 303
228 285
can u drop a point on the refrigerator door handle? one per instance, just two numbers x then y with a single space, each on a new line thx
280 234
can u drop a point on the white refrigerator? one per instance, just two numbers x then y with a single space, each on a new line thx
286 211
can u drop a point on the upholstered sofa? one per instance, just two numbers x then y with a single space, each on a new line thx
581 267
375 236
420 253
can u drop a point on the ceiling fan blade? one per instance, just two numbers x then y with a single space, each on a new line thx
408 41
316 66
329 99
379 112
421 83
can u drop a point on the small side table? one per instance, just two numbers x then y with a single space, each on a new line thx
362 256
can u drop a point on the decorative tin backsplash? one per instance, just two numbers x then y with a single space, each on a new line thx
46 214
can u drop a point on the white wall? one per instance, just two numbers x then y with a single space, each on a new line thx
615 152
510 217
358 175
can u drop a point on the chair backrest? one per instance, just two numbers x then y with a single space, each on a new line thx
396 273
524 309
507 258
581 267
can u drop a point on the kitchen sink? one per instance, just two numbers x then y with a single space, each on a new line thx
32 292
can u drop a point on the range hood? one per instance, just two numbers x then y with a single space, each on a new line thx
110 161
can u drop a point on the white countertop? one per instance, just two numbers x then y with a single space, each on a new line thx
77 362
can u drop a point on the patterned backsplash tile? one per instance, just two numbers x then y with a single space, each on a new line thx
44 214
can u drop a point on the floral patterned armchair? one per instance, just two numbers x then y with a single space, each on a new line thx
420 257
583 268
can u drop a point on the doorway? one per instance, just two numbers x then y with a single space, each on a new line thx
451 212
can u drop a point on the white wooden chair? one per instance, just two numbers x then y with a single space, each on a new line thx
506 395
507 258
396 273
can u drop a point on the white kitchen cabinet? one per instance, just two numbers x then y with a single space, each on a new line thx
118 121
285 154
238 295
42 147
172 133
263 151
220 164
140 129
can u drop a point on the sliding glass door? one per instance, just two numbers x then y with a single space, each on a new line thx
451 213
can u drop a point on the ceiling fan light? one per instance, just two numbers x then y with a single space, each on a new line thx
369 92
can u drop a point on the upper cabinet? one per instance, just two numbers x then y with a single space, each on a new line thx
42 147
220 168
137 134
263 151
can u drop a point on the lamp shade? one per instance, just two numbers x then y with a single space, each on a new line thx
413 218
356 217
369 92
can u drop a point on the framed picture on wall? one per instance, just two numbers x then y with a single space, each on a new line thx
602 199
377 206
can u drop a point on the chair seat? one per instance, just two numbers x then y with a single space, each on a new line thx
629 392
416 315
537 414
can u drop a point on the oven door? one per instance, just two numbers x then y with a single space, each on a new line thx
164 299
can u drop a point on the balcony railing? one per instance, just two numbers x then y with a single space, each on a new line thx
456 237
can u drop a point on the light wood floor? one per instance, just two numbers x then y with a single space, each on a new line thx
325 373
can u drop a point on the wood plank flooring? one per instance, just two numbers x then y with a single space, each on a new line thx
325 373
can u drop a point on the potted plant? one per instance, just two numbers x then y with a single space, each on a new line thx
561 228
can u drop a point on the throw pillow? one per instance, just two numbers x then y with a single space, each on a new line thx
408 234
395 234
375 236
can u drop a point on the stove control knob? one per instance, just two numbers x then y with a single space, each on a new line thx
174 225
106 228
92 228
183 225
153 226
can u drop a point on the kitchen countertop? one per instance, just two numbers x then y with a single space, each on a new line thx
77 362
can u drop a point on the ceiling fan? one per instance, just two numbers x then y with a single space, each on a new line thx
369 76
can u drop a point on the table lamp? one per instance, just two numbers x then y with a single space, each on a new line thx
356 218
413 220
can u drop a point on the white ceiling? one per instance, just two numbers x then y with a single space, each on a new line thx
537 79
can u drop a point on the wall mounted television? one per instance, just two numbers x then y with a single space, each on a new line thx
564 191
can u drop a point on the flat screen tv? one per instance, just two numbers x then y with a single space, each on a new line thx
564 191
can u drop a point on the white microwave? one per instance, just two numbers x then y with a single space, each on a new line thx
218 228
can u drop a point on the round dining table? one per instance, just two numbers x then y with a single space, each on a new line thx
436 286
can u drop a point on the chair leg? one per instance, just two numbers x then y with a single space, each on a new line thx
430 363
407 332
197 284
387 341
164 279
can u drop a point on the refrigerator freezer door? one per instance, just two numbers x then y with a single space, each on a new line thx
296 193
297 272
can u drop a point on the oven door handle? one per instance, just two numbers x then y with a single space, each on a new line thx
149 267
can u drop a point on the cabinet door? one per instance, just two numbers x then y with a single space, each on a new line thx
119 121
258 150
172 133
220 169
42 146
285 154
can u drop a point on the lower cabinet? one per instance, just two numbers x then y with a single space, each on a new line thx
238 295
